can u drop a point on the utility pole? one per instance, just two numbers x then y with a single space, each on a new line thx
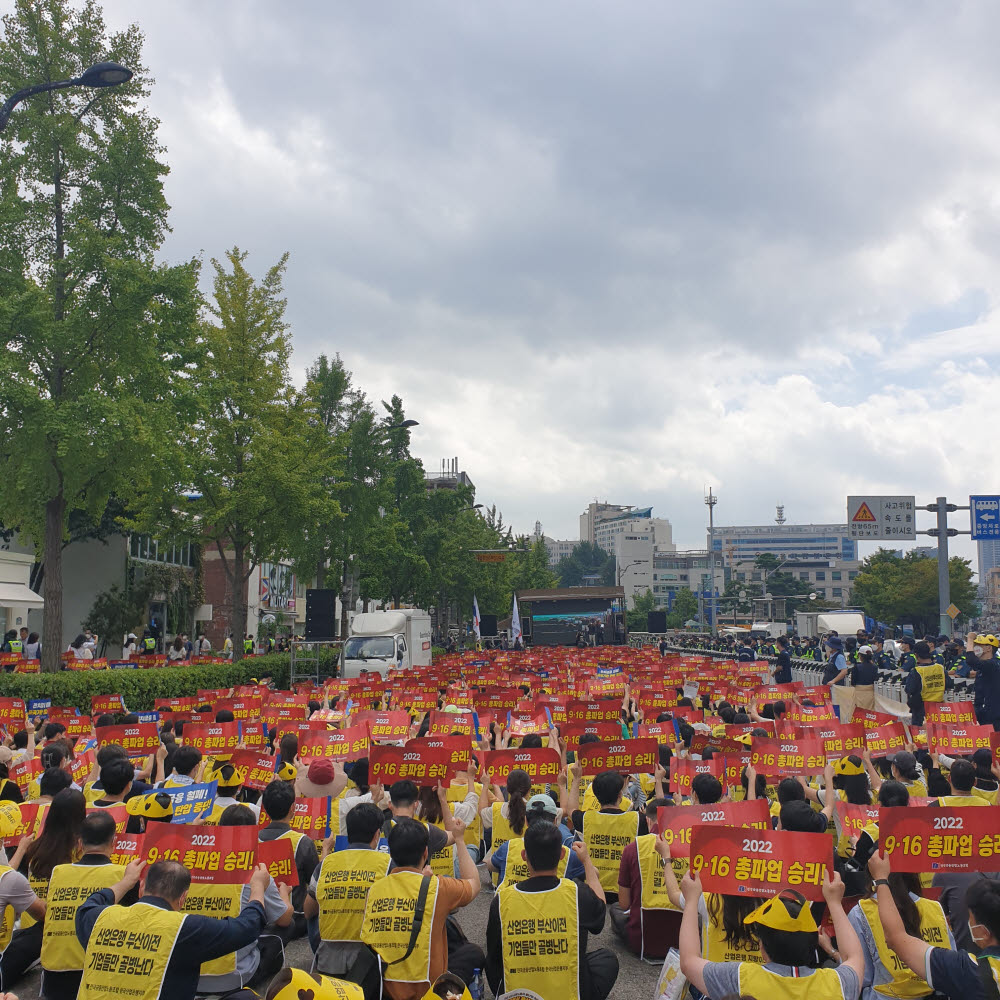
710 502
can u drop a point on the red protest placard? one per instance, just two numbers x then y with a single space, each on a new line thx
252 734
541 763
272 715
12 714
213 739
807 714
279 856
243 709
333 744
22 773
838 741
424 765
871 719
948 712
118 813
81 766
210 853
677 822
607 710
683 771
954 738
309 816
781 758
107 704
627 756
760 862
174 704
128 847
76 725
138 740
259 768
446 723
498 699
852 819
384 727
936 839
32 819
572 731
458 746
886 739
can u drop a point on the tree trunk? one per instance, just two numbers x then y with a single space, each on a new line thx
52 620
238 607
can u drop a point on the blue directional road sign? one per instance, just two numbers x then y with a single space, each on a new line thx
985 517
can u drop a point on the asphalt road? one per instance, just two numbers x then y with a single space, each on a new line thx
636 980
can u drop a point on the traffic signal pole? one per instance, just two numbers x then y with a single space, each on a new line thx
942 532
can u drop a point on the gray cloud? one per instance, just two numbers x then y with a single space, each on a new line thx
616 249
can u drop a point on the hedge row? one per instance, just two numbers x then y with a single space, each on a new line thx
141 687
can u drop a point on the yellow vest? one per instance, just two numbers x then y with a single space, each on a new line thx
388 919
8 917
961 801
442 863
474 831
69 886
917 788
516 869
823 984
502 830
342 889
295 836
40 886
988 794
931 681
906 984
540 935
653 894
713 939
606 836
128 952
220 901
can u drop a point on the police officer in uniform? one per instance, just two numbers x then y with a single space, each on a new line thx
981 656
152 950
907 661
926 682
554 961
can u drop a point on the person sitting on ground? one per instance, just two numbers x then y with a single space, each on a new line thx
788 938
572 911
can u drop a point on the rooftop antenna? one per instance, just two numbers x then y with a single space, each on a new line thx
780 515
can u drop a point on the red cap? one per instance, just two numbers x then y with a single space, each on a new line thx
320 772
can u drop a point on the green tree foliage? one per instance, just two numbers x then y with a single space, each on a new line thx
98 338
905 590
685 609
586 560
636 619
248 455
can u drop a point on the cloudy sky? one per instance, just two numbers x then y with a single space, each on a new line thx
619 250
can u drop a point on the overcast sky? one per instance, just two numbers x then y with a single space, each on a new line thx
619 250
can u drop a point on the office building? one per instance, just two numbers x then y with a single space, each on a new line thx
449 477
558 548
635 549
793 541
830 579
686 570
988 558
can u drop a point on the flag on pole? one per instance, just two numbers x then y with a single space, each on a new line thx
475 617
515 623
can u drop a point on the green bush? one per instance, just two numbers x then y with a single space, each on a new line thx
141 687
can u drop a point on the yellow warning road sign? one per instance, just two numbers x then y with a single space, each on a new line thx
952 612
864 514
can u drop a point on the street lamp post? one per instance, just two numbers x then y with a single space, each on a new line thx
102 74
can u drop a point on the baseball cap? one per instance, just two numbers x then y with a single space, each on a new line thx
904 760
320 772
543 803
864 649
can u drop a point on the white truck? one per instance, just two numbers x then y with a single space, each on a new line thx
769 630
818 623
381 640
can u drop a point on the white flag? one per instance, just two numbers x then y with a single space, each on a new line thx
515 623
475 617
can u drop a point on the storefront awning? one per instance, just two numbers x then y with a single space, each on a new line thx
18 595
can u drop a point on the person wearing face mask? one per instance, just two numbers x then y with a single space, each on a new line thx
951 973
981 656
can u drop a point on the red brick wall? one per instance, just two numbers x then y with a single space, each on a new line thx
218 593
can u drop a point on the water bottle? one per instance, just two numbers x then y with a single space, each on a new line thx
476 985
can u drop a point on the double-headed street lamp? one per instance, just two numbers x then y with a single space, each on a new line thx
102 74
